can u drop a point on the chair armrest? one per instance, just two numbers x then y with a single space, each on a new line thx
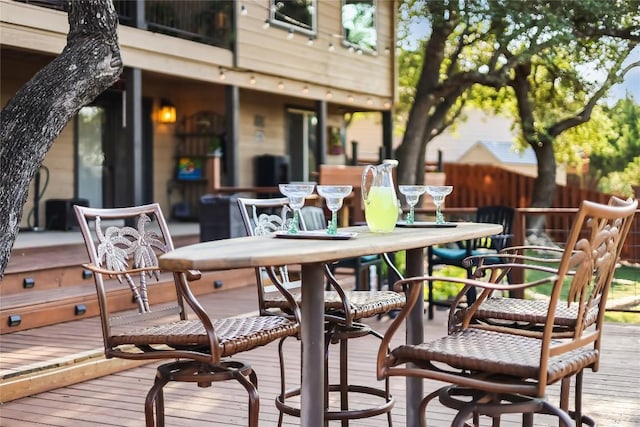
391 265
508 256
193 275
118 273
285 293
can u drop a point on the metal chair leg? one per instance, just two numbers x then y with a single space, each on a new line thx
155 398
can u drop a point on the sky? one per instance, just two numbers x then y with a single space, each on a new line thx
631 82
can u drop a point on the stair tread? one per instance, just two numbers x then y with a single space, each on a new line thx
44 296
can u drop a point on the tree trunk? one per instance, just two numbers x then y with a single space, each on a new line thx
35 116
410 153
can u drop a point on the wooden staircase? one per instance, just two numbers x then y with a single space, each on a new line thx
46 292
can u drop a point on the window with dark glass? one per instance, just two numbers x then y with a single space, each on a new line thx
359 24
296 15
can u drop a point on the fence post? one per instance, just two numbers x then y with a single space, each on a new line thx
519 234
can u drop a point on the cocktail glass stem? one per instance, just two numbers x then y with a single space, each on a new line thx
332 228
410 216
293 226
439 217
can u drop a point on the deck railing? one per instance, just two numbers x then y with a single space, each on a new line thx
203 21
482 185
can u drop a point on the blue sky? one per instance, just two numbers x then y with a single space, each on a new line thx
631 82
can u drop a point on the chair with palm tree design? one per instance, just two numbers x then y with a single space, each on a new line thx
123 245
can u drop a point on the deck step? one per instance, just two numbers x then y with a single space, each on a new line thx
41 308
61 373
53 356
45 285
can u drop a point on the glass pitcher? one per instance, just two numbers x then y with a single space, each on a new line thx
379 198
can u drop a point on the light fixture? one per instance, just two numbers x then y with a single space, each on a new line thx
290 34
14 320
350 98
167 113
331 47
329 95
310 41
369 101
280 85
244 10
222 75
80 309
266 24
252 80
387 104
305 89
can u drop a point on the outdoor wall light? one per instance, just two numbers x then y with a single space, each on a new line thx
80 309
14 320
167 113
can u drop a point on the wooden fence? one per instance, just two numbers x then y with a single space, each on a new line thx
481 185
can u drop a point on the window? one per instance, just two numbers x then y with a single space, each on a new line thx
296 15
359 24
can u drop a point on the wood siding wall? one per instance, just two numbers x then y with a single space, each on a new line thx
271 52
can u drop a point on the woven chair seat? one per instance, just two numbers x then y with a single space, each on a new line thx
533 311
496 353
234 334
363 303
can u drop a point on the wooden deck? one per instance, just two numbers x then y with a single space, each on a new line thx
612 395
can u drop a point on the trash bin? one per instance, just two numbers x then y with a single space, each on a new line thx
271 170
60 215
220 217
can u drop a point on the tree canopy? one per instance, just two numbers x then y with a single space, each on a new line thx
532 57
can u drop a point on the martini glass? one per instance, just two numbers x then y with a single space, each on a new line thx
296 193
334 195
412 193
438 193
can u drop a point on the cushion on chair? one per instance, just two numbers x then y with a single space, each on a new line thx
234 334
532 311
495 352
449 254
363 303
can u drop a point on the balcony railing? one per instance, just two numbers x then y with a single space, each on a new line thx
202 21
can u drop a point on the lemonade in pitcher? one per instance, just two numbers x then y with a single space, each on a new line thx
379 197
381 209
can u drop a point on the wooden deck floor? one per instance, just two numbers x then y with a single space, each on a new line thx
612 395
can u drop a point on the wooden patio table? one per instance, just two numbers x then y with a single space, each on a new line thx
311 254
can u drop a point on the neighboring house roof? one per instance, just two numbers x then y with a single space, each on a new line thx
503 152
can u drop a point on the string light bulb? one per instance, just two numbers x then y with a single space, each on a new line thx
305 89
276 13
252 80
329 95
280 85
222 75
